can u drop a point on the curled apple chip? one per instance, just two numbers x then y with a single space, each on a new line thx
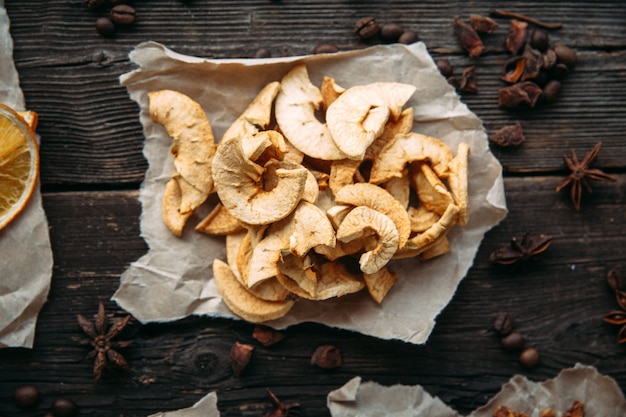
295 108
360 222
172 216
376 198
458 182
193 144
406 148
243 303
379 283
219 222
358 116
431 192
302 230
239 185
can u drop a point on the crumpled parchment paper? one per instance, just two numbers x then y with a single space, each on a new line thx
26 266
205 407
174 279
600 394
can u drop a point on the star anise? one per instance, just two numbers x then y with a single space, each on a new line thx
521 249
617 317
282 409
581 172
105 353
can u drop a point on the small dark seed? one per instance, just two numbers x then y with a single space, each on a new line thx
366 27
444 66
26 396
529 358
503 324
408 37
391 31
551 91
513 341
540 40
566 55
105 26
63 407
326 48
263 53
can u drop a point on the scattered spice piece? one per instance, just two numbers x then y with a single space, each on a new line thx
105 349
547 412
326 357
240 355
576 410
526 92
521 250
468 81
533 63
502 411
519 16
483 24
266 335
617 317
581 172
615 280
513 69
511 135
282 409
518 32
468 38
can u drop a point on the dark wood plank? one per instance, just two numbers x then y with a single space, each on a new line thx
91 133
557 301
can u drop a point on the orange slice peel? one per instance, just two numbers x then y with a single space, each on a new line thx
19 162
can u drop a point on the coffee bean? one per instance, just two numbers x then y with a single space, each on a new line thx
105 26
92 4
446 70
540 40
529 358
366 27
551 91
26 396
326 48
390 32
62 407
262 53
504 322
566 55
513 341
408 36
123 14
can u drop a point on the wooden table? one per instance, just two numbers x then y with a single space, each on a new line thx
92 167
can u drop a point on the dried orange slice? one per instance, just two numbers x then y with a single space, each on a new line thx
19 162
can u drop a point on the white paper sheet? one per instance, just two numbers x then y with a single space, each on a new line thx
174 279
25 253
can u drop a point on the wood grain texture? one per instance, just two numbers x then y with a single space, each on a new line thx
92 165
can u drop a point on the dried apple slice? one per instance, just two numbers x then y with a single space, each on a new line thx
458 182
243 303
374 197
358 223
358 116
295 108
257 115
